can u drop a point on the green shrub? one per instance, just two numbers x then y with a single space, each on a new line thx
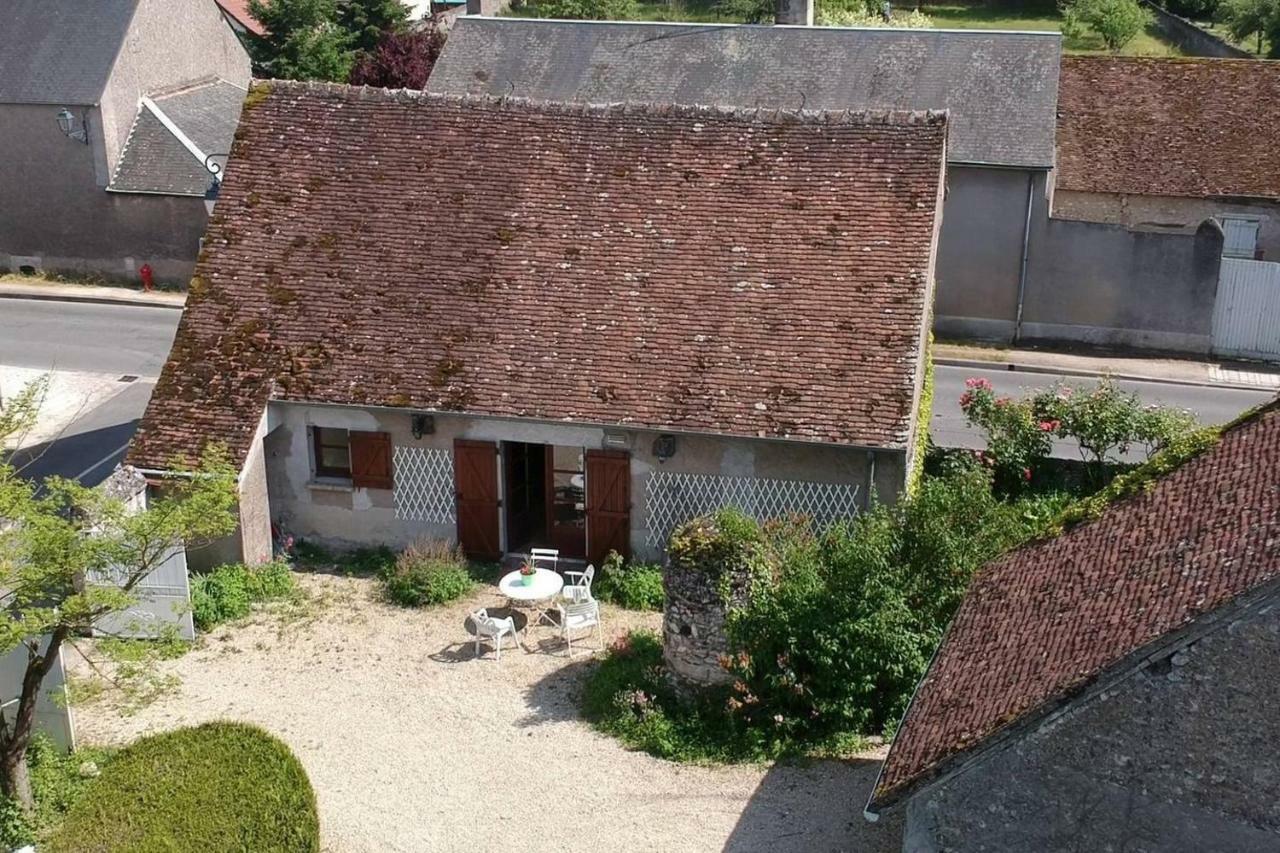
835 630
578 10
15 829
215 787
718 544
430 571
228 592
1117 22
635 586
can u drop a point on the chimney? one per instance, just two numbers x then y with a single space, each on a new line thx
796 12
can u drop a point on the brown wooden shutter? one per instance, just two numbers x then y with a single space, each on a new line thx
608 474
371 460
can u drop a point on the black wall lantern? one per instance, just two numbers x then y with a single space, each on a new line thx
664 447
73 127
423 425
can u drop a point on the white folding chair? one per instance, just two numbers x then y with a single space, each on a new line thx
578 586
580 615
492 628
544 558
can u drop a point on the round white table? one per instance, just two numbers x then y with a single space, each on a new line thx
546 586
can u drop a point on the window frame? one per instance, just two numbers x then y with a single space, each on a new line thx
1249 219
319 444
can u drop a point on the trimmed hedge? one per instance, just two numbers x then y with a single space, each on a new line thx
216 787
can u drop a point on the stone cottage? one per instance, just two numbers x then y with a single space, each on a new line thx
1113 688
634 315
115 116
999 88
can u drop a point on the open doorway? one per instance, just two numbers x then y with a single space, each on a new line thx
545 498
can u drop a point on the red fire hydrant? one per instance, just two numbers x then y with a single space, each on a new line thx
148 278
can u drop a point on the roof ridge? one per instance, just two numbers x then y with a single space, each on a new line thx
726 25
767 115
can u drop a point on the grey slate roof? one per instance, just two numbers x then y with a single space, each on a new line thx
1000 87
59 51
154 160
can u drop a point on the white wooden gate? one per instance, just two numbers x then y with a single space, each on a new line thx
164 598
1246 314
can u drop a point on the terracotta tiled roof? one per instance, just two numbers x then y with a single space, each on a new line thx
1045 621
756 273
238 10
1171 127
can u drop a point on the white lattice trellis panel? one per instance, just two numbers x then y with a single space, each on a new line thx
672 499
424 484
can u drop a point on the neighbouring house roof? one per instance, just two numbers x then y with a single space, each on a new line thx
1169 127
60 51
238 11
999 88
1041 624
755 273
172 136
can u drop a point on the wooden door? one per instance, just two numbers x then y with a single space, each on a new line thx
608 481
475 482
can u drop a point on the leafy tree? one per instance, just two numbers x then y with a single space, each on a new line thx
747 11
402 60
303 40
1257 18
367 21
1116 22
586 10
56 539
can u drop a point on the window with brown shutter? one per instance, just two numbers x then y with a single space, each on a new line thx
371 460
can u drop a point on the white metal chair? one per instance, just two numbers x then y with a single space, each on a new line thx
494 629
544 558
579 615
578 586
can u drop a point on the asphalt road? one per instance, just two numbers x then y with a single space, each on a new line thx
123 339
135 340
1210 404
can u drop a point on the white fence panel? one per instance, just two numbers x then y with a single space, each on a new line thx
1246 314
672 498
52 714
164 598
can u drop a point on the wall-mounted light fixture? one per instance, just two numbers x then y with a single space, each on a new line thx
664 447
73 127
423 425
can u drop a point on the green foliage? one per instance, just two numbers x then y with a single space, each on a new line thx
924 418
56 538
1017 440
230 591
747 11
303 41
15 829
1117 22
1104 421
366 21
835 632
1194 9
1107 422
836 635
366 562
56 779
635 586
1256 19
839 15
430 571
716 545
585 10
216 787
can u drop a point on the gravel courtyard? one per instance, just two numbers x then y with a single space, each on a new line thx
414 745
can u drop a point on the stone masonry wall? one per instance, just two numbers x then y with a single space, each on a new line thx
693 622
1181 756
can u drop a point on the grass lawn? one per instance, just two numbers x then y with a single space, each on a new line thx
981 17
215 787
1250 44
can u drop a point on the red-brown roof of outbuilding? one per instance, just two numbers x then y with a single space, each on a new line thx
754 273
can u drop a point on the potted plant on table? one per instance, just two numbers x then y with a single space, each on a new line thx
527 573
